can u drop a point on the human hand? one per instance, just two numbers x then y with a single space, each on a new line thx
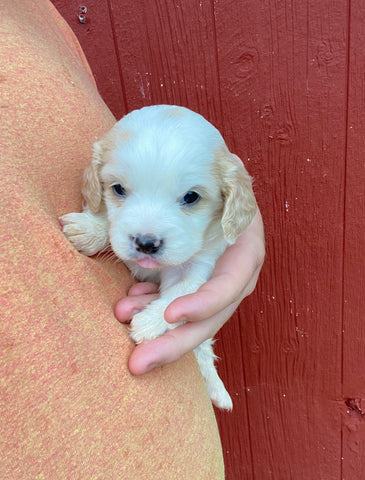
205 311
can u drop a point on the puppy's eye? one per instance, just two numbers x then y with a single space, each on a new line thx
119 191
190 198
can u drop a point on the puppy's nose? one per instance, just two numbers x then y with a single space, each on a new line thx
147 243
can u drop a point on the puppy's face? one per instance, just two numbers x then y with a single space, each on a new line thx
169 184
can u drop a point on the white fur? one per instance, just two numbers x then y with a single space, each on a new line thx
158 154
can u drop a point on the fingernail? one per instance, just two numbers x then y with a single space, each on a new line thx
152 366
183 319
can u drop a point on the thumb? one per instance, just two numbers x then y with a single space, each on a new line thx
212 297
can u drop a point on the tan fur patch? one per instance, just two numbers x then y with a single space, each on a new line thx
175 112
92 187
236 187
113 138
113 198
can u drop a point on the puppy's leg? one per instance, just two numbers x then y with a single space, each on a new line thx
88 232
216 389
175 282
150 323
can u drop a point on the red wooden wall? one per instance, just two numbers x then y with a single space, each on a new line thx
284 81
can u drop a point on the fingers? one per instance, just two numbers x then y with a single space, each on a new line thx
139 296
160 351
126 308
210 298
174 344
143 288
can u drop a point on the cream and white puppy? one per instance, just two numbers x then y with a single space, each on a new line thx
165 192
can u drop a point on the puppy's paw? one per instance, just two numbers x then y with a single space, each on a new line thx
85 231
219 396
148 324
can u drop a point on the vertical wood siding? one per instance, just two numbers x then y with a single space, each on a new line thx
353 375
284 82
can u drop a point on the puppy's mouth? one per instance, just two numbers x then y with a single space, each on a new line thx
148 262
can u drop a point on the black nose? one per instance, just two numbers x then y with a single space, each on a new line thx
147 243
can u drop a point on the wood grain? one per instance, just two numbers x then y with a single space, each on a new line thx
354 255
283 81
97 38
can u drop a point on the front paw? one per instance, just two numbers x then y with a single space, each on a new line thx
86 233
148 324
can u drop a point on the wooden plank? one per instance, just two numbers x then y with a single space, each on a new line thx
354 248
167 53
283 83
97 39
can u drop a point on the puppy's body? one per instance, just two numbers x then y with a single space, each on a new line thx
167 194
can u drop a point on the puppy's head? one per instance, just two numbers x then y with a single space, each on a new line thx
170 185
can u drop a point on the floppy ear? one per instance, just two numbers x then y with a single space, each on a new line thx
239 200
92 189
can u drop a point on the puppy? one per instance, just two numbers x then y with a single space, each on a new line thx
163 189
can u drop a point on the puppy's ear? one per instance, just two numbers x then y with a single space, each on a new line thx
92 190
239 200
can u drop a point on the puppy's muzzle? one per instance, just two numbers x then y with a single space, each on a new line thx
148 244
